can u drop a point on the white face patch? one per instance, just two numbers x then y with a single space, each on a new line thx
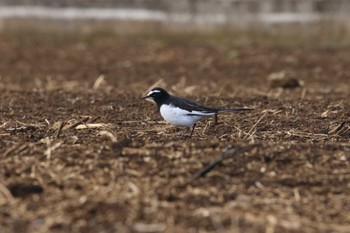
153 91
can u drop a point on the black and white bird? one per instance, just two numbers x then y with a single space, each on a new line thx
182 112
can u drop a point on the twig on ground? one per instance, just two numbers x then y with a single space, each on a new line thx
226 153
3 125
62 124
30 125
338 129
205 127
50 147
79 122
306 134
6 194
22 126
98 82
254 126
94 119
94 126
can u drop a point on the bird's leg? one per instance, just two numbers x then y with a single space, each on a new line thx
215 119
194 126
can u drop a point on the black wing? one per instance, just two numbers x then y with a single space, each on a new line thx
236 109
191 106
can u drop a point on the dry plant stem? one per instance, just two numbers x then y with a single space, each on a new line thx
62 124
98 82
4 191
205 127
337 129
83 121
254 126
224 154
94 119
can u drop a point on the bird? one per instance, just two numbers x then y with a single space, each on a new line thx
183 112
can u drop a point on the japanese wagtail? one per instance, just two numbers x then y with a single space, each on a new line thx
182 112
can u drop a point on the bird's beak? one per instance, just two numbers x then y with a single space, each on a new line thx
145 97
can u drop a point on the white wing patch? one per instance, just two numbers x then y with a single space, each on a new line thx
202 114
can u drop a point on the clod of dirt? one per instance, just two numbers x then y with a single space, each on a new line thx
281 79
24 189
120 144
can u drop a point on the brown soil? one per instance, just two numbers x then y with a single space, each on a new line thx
131 172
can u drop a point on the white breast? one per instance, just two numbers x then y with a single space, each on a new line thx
180 117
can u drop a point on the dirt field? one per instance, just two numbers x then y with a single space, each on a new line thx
80 152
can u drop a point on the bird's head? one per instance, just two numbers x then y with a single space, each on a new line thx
157 94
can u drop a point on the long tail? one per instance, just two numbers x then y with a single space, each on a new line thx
238 109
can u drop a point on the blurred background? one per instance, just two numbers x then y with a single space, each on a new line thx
186 12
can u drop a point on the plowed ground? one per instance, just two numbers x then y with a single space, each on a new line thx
81 152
